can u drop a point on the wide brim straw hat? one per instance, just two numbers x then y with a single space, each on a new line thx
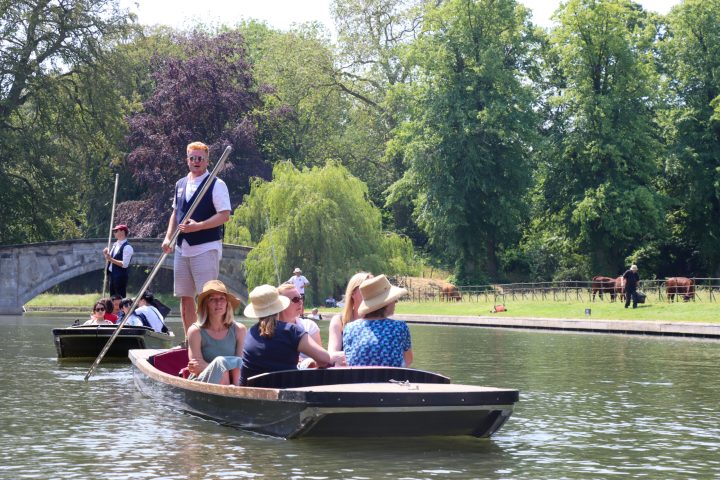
634 268
377 292
264 301
297 270
216 286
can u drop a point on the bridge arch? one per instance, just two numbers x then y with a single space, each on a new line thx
28 270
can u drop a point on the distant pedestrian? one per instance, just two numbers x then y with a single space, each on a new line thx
631 283
300 282
118 258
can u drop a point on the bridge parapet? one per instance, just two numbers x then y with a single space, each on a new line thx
28 270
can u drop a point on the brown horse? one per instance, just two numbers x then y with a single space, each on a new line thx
450 292
676 286
602 285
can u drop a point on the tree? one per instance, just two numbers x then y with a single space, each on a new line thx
596 177
469 130
691 60
208 93
50 52
320 220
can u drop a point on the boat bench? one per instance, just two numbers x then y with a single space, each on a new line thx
171 362
333 376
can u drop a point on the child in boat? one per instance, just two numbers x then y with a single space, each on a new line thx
215 341
273 345
98 315
376 339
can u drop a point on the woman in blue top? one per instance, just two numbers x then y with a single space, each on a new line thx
272 345
215 341
376 339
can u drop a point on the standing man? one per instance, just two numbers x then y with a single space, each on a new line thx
631 282
300 282
199 245
118 258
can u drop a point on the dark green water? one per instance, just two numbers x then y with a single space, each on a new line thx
591 406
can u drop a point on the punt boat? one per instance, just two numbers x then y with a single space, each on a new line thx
332 402
86 341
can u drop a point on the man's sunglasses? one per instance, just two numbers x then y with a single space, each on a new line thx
196 159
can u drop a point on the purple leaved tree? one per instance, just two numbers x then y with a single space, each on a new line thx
206 94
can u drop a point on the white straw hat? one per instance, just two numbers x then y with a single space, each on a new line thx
378 292
634 268
297 270
264 301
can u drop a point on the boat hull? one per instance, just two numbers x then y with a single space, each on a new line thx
87 341
370 409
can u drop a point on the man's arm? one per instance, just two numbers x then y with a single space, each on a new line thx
170 232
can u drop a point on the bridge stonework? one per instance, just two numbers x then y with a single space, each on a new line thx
28 270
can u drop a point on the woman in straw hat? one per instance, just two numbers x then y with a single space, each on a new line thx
376 339
215 341
349 313
273 345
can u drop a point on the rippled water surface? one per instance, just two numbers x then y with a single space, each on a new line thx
591 406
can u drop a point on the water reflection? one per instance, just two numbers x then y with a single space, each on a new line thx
592 406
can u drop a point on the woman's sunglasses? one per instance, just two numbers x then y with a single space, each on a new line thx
296 299
100 309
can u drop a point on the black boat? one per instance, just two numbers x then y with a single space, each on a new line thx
333 402
81 341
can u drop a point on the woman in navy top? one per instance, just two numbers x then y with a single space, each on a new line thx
272 345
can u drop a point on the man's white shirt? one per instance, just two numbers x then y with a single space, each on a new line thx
127 253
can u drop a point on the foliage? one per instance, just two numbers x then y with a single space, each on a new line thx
691 62
207 93
596 177
51 114
320 220
466 140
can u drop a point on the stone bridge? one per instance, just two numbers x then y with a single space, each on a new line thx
28 270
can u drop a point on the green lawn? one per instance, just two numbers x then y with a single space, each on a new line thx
653 310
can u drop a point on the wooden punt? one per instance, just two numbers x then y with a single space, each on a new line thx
86 341
334 402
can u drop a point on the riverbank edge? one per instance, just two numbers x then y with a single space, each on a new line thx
634 327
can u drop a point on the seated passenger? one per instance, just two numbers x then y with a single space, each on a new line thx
97 317
273 345
109 307
376 339
349 311
149 315
293 314
215 341
134 320
116 299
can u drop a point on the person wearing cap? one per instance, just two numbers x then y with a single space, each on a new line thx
215 341
199 245
377 340
118 258
272 345
300 282
631 283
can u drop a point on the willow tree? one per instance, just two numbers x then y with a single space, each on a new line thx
469 129
691 57
320 220
596 179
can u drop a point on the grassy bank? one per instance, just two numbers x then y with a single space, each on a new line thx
653 310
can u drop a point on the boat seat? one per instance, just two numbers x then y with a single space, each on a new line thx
332 376
171 362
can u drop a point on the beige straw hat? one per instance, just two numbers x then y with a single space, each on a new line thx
265 300
216 286
378 292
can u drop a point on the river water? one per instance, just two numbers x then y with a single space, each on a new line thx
591 406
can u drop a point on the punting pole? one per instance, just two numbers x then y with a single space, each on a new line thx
272 246
112 221
160 261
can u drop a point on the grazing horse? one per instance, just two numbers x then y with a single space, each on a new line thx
680 286
602 285
449 292
620 288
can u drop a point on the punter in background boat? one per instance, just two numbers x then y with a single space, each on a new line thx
377 339
215 341
272 345
292 314
98 315
349 312
118 259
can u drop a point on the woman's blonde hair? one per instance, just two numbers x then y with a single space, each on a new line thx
267 325
203 316
353 283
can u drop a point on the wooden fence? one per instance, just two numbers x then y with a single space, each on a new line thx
706 290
